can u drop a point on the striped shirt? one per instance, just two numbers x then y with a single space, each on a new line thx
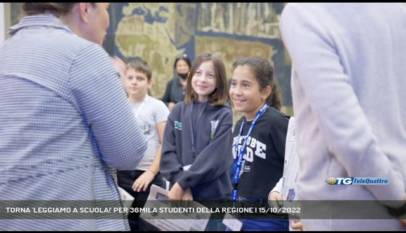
65 123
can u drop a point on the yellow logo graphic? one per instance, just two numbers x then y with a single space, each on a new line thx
331 181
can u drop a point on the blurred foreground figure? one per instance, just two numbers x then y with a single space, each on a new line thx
64 119
348 85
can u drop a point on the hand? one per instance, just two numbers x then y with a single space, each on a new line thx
275 196
296 225
176 192
143 181
188 196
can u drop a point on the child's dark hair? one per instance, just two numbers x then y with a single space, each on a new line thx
138 64
184 58
264 73
219 95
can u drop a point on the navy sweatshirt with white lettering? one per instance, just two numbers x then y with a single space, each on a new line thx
196 150
264 156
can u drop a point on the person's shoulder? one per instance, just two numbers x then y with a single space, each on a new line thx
290 8
178 107
293 6
93 49
88 55
174 81
155 102
275 116
223 109
296 11
72 46
75 43
171 81
152 100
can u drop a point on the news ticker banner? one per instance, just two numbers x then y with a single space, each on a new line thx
185 210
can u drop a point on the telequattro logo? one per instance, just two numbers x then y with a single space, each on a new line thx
357 181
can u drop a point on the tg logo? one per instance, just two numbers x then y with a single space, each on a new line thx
339 181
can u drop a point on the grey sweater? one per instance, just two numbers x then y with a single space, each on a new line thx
349 101
196 150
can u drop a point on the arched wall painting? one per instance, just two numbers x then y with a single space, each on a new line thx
158 32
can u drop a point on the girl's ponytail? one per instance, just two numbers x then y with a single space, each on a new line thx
275 99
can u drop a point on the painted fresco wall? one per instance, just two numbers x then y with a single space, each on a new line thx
158 32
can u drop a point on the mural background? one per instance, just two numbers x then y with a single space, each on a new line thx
158 32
